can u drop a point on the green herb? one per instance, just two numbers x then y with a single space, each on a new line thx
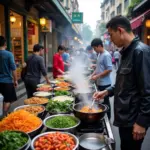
61 122
58 106
60 93
11 140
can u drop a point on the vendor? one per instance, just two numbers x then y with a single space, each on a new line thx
58 64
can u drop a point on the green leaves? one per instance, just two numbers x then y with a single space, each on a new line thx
61 122
11 140
58 107
60 93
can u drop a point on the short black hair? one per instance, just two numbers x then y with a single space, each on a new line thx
37 47
2 41
96 42
119 21
61 47
89 48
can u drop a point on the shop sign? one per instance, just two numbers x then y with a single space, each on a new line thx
77 17
31 29
47 27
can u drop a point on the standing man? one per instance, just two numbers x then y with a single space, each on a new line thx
92 55
58 64
66 59
132 89
117 58
35 66
8 77
103 69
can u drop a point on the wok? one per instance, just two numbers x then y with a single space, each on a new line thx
89 117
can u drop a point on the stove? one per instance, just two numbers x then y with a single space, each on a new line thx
97 127
102 127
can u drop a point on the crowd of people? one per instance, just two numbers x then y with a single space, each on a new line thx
132 88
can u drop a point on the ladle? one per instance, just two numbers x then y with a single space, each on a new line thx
93 99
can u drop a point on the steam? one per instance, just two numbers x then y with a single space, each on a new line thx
78 68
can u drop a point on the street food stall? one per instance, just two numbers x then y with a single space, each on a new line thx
55 120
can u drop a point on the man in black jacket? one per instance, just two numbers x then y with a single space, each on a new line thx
132 88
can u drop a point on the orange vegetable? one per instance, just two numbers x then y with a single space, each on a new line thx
63 84
20 120
54 141
44 89
86 109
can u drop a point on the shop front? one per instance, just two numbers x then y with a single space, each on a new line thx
2 21
21 25
33 36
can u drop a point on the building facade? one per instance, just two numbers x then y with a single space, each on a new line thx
20 23
140 21
111 8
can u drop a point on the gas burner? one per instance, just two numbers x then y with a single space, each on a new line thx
97 127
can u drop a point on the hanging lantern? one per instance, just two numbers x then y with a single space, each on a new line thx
12 18
42 21
148 37
148 23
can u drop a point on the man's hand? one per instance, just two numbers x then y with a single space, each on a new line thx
93 66
94 77
100 95
48 82
138 132
15 84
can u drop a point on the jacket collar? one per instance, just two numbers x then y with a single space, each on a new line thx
125 50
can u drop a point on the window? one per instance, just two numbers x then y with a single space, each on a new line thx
112 2
112 14
67 3
126 3
107 13
119 9
103 16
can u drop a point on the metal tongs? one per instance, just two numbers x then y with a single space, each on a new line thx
93 99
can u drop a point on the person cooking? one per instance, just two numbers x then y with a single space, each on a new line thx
103 69
132 88
58 64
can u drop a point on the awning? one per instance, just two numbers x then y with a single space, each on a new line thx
136 22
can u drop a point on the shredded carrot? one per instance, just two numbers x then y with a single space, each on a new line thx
20 120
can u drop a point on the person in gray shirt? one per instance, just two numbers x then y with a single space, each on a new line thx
103 69
34 68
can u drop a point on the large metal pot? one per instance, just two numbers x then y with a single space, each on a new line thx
89 117
94 141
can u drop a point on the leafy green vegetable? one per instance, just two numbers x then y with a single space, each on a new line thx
58 107
11 140
60 93
61 122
